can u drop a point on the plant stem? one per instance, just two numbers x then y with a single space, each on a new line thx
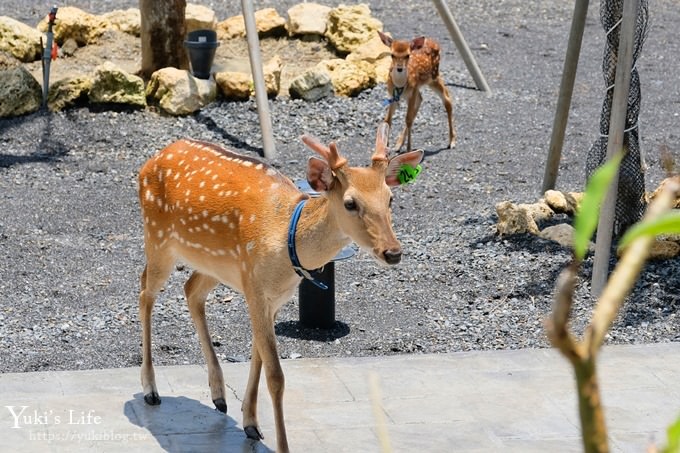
593 427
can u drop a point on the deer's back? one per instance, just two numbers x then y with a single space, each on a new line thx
207 202
423 65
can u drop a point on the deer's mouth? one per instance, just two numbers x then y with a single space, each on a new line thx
387 257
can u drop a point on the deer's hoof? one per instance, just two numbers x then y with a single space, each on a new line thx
253 432
152 399
220 405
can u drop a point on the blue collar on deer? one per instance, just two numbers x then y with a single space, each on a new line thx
292 254
396 96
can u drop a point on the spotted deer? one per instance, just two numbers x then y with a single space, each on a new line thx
415 64
234 220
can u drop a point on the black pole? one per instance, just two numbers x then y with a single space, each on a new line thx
317 306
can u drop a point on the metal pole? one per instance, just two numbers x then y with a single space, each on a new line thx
566 89
462 46
258 79
615 144
47 54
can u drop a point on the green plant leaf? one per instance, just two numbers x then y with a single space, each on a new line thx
668 223
673 433
588 213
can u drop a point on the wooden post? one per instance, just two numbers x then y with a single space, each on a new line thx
258 79
578 23
462 46
615 144
162 34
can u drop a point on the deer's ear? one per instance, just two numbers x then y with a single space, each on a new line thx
418 42
412 159
385 39
319 174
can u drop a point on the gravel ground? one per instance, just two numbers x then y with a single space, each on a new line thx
71 235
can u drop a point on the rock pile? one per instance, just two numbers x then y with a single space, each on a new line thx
362 60
526 218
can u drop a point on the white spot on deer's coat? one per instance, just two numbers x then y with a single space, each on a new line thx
201 198
169 156
271 172
168 172
145 182
202 184
247 163
160 234
258 167
275 186
252 218
250 246
149 195
206 213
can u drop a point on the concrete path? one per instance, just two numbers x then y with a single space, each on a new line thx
497 401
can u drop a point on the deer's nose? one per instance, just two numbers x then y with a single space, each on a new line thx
400 69
392 256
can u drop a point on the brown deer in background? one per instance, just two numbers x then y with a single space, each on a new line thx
415 64
229 217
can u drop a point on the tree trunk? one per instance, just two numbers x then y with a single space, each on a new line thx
162 34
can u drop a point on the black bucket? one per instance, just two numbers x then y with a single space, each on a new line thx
201 45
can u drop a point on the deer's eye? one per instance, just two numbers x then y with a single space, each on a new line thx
350 205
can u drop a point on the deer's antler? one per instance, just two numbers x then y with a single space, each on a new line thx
381 150
330 152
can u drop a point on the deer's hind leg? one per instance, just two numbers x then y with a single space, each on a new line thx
440 88
197 288
156 272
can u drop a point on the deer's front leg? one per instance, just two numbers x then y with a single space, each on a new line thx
249 406
196 289
414 101
264 338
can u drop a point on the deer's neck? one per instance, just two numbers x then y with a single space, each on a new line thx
318 237
399 78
